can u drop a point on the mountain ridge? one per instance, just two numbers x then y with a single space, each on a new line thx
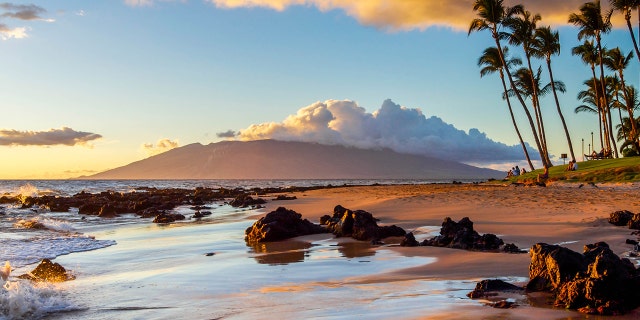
273 159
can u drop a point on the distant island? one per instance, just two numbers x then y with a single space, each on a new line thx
271 159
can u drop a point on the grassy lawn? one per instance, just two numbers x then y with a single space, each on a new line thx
607 170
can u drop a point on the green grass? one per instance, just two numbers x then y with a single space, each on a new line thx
607 170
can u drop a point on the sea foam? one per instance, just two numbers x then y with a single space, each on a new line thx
28 300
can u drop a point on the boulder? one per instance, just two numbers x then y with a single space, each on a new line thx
595 282
490 287
48 271
245 200
460 235
620 218
107 211
279 225
409 240
168 217
358 224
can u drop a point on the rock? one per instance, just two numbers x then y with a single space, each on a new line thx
460 235
634 223
279 225
284 197
551 266
245 200
48 271
620 218
409 240
631 241
504 304
168 217
358 224
595 282
485 287
107 211
512 248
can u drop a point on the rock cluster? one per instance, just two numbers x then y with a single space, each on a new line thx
48 271
358 224
279 225
625 218
595 282
461 235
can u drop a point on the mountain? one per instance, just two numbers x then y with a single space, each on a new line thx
271 159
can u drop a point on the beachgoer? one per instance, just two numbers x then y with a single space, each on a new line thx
523 171
517 171
575 165
570 166
544 176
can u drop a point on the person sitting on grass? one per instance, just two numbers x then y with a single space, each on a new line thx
544 176
573 166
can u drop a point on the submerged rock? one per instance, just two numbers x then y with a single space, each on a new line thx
279 225
409 240
245 200
48 271
595 282
168 217
358 224
490 287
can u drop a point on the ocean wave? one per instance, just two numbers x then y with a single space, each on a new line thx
22 252
29 300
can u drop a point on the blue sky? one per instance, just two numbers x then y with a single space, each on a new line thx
170 73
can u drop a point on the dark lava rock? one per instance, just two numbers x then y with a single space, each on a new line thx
634 223
358 224
107 211
244 201
460 235
409 240
279 225
168 217
484 288
595 282
283 197
48 271
620 218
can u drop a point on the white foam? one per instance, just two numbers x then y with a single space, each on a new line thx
27 300
25 252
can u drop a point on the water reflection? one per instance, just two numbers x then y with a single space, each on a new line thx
287 252
280 252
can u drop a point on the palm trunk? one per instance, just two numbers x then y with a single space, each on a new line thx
604 90
613 138
627 17
634 128
515 125
555 96
524 106
596 89
536 109
624 131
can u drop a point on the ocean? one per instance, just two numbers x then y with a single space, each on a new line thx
130 268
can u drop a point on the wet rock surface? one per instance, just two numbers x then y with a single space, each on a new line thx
461 235
280 224
48 271
491 287
595 282
358 224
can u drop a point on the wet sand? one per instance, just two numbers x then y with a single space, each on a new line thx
565 214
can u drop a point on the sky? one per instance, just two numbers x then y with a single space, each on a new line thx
88 86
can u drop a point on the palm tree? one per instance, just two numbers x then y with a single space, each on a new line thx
630 146
593 24
593 103
491 14
589 54
625 7
491 63
522 27
546 44
616 61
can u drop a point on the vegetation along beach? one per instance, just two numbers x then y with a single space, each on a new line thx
151 166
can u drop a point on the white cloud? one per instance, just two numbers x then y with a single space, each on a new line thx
63 136
162 145
401 129
7 33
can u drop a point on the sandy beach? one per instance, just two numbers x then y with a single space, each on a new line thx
568 214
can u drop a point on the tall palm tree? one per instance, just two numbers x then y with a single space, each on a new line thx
522 27
546 44
491 62
491 14
625 7
592 23
589 54
615 60
630 144
593 103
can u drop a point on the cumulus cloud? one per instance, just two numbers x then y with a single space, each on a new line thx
405 130
162 145
28 12
227 134
64 136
